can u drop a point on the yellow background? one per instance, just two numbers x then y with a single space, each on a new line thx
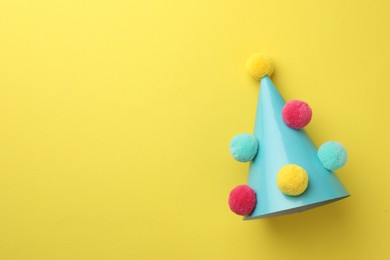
115 119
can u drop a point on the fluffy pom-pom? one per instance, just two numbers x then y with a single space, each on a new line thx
332 155
292 180
243 147
296 114
242 200
260 65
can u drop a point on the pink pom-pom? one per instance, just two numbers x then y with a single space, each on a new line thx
242 200
296 114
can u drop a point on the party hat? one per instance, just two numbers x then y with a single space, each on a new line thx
288 173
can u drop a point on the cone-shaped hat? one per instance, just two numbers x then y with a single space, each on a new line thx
280 145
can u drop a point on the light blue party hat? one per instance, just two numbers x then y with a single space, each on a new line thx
288 174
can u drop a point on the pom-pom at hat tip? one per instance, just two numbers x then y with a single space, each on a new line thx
260 65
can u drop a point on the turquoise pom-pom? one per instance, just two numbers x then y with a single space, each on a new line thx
244 147
332 155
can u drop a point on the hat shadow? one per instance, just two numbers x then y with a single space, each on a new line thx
310 227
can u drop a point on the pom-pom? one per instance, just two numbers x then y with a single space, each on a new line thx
332 155
259 66
292 180
242 200
243 147
296 114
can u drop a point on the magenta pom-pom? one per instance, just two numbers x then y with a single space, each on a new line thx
242 200
296 114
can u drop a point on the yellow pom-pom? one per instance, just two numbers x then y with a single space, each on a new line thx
292 180
259 66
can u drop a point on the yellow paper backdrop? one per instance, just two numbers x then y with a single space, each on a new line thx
115 119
